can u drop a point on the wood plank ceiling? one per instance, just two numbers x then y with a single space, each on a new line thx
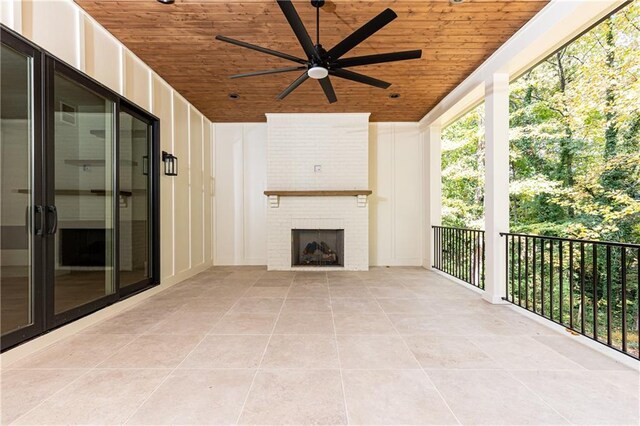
177 41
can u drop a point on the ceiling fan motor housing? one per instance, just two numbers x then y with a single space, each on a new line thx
318 72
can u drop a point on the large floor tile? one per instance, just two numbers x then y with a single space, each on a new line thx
153 351
301 351
196 397
320 291
386 292
99 397
424 324
22 390
245 323
227 352
406 306
355 304
523 353
350 291
491 397
266 291
374 352
295 397
393 397
581 354
78 351
212 303
183 322
453 352
306 305
365 324
304 323
583 397
258 305
124 323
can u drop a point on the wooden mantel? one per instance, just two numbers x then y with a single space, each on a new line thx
360 194
321 193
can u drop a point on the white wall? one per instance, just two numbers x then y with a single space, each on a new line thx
240 206
395 177
396 206
66 31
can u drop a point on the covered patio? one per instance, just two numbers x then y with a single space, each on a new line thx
228 256
388 346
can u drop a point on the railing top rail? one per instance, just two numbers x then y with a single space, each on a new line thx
453 227
575 240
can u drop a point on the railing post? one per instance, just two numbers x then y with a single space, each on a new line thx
496 199
432 183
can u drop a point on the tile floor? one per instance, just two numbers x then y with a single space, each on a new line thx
388 346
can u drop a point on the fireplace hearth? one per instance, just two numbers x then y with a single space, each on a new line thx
317 247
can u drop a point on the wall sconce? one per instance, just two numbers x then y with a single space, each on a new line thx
170 164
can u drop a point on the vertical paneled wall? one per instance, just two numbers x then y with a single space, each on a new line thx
395 177
395 208
65 30
240 232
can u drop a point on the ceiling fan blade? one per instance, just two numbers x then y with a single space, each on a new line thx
360 78
265 72
379 58
293 85
298 27
362 33
328 89
261 49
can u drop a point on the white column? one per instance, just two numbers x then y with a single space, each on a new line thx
496 197
432 181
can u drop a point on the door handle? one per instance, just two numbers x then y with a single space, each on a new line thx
53 227
38 210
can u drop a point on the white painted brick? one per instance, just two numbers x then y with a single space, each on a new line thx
340 144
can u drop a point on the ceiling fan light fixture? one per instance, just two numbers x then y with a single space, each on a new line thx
318 72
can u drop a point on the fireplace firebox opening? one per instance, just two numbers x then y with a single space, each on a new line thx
317 247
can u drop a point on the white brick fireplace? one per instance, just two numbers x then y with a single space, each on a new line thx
312 153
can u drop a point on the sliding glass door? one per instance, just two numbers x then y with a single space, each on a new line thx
135 200
21 213
82 198
79 186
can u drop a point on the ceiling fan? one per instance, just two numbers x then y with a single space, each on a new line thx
321 63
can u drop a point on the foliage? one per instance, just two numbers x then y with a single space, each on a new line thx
574 142
463 171
575 137
574 173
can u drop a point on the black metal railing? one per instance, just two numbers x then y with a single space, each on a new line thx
589 287
459 252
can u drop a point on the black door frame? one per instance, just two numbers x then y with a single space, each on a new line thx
37 196
55 67
154 194
45 66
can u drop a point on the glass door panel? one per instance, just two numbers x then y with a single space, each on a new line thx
16 191
81 217
134 229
